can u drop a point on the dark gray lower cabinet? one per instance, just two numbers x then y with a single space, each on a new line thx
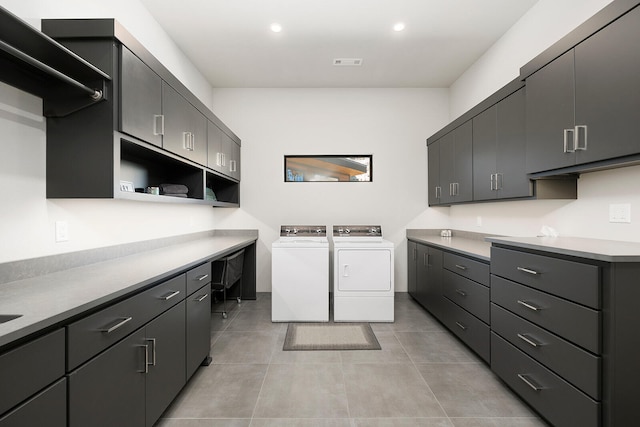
198 328
47 408
441 281
166 376
109 390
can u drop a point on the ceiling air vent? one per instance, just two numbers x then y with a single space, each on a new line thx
347 62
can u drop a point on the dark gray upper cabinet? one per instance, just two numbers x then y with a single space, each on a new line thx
434 187
185 128
456 177
499 151
582 107
140 99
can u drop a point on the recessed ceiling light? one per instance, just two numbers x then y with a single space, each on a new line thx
276 28
399 26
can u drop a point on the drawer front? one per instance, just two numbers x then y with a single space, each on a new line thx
580 368
48 408
89 336
27 369
468 328
467 267
198 277
578 324
567 279
557 400
468 294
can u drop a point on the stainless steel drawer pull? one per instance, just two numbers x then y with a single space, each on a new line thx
527 270
461 267
201 278
529 382
461 326
461 292
529 306
121 323
171 295
153 352
202 298
529 340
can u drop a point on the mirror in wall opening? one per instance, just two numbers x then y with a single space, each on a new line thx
328 168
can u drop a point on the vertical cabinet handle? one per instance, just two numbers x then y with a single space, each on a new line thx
569 136
492 179
498 181
145 369
438 192
185 140
232 166
415 254
580 130
153 352
158 124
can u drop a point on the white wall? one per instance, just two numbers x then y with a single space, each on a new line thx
27 218
391 124
587 216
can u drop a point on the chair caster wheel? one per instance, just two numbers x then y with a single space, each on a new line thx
239 300
224 315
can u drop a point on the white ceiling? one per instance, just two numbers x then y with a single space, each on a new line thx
232 45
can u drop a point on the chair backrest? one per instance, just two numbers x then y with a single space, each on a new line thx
233 270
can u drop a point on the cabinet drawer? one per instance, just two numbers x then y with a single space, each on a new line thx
89 336
48 408
467 267
198 277
577 366
567 279
558 401
468 294
27 369
578 324
468 328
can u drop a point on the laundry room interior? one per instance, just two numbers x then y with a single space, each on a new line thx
434 279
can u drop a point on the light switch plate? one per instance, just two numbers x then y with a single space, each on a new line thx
620 213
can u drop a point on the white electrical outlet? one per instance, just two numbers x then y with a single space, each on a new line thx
620 213
62 231
479 221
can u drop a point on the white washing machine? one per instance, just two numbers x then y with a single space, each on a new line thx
363 285
300 275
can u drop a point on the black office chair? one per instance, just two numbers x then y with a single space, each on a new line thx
227 272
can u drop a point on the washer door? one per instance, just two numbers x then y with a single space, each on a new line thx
364 270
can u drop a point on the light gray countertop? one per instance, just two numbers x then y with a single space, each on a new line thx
466 243
594 249
47 300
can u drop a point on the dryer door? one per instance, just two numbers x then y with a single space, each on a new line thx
364 270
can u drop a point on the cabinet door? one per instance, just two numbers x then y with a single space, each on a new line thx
234 162
185 128
110 389
214 147
429 275
463 162
198 328
607 66
433 179
48 408
165 337
485 154
412 265
549 111
447 172
140 99
511 179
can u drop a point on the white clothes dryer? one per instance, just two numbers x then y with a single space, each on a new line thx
300 275
363 284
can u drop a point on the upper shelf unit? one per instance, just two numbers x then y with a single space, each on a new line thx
37 64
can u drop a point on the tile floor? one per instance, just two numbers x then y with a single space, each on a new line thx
423 376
